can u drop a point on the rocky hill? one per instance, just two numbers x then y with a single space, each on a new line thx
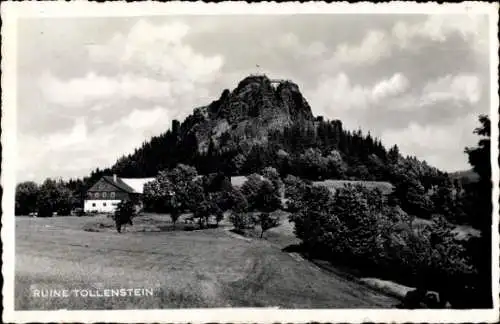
248 113
264 122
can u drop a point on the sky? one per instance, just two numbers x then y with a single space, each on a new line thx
90 90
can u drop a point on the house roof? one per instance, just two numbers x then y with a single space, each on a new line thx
119 184
238 181
137 184
130 185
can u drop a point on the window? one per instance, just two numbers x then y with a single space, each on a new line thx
112 194
93 204
104 194
104 204
96 195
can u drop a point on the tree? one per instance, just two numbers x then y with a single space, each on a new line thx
479 158
412 196
313 165
295 189
26 197
273 175
480 194
173 191
239 207
267 222
313 220
393 155
267 201
444 199
221 203
154 194
53 197
124 213
251 189
335 165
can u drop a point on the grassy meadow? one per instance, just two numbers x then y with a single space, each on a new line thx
186 269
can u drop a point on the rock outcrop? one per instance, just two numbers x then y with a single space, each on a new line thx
255 107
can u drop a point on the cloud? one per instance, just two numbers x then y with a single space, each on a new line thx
339 94
375 45
292 43
54 154
93 87
397 84
159 49
460 88
439 28
147 66
379 44
339 98
437 143
76 136
144 119
451 91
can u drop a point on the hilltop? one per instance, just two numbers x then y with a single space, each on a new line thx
264 122
465 176
249 113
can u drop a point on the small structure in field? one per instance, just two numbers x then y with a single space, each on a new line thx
105 195
333 185
238 181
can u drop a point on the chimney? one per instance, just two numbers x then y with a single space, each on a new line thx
114 178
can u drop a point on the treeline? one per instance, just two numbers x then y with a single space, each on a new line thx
313 151
358 227
52 196
310 150
182 190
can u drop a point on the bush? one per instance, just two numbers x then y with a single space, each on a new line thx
242 221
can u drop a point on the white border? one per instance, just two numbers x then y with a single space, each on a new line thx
11 11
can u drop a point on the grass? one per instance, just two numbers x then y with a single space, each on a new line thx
205 268
143 223
462 232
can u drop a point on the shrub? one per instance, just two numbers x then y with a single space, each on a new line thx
242 221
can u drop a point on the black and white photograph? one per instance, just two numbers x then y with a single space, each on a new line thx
247 162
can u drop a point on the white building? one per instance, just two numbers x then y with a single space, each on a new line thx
105 194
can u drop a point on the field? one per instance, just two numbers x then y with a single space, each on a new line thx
202 268
333 185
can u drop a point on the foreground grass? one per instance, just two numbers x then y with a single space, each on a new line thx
206 268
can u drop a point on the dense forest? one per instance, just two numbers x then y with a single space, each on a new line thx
324 152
